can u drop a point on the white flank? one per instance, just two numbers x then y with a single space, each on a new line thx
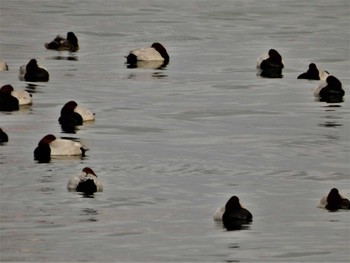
23 97
147 54
65 147
319 88
3 66
323 74
22 72
75 180
323 202
261 59
219 213
85 113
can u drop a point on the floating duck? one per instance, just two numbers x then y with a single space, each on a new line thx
33 73
50 146
86 182
156 52
73 115
334 201
270 66
11 99
233 215
313 73
70 43
330 90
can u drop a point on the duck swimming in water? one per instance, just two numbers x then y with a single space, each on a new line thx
70 43
33 73
73 115
50 146
334 201
86 182
156 52
330 90
313 73
233 216
270 66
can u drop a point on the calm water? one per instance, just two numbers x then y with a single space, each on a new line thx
172 145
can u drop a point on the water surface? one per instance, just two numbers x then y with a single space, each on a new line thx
172 145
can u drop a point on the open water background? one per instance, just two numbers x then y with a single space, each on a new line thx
172 145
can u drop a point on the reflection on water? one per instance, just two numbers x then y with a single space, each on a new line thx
237 227
270 73
47 190
63 158
67 128
32 88
89 214
148 65
86 195
333 99
70 57
73 129
141 76
331 121
25 108
330 124
332 117
89 211
331 106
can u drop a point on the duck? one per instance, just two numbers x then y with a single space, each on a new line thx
49 146
73 115
86 182
3 137
330 90
70 43
334 201
156 52
3 65
11 99
313 73
270 66
33 73
233 215
8 102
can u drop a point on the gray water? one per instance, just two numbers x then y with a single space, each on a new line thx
170 146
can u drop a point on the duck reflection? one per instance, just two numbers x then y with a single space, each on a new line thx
69 57
69 128
147 64
331 119
330 124
31 88
233 227
331 99
270 73
143 76
90 215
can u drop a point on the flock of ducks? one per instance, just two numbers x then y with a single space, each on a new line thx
233 215
329 90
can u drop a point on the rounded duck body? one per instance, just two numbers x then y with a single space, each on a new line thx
86 182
